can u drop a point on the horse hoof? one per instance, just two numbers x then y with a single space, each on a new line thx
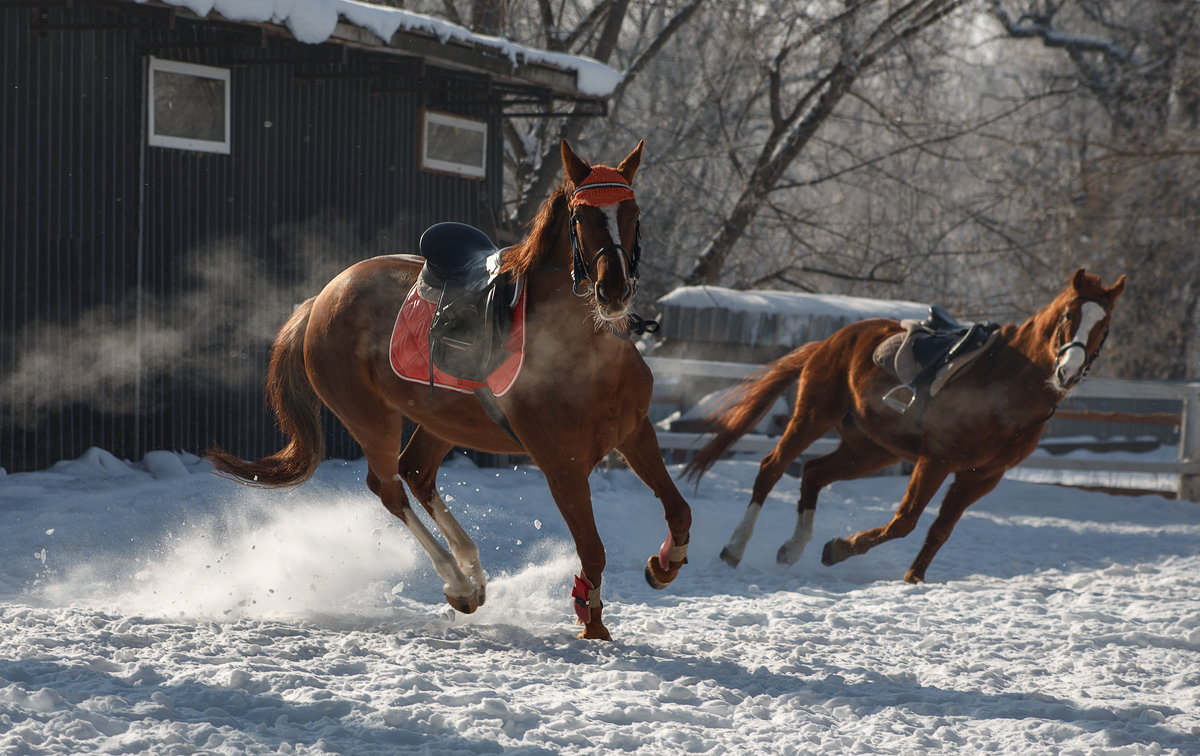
914 578
462 603
657 577
835 551
595 631
594 628
786 557
729 558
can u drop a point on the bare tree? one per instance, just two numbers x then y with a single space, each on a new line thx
1134 201
848 43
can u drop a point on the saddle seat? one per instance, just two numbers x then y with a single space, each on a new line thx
457 256
928 354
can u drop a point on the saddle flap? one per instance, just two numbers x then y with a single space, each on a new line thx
470 329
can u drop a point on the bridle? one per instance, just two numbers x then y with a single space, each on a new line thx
584 273
1075 343
1089 358
603 187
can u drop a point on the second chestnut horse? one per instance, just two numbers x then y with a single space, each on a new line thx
978 426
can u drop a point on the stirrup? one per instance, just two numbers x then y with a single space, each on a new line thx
896 400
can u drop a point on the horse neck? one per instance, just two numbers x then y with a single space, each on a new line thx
1028 367
1034 337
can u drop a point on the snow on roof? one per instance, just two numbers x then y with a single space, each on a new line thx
314 21
792 303
711 314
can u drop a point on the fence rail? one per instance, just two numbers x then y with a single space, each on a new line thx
1186 467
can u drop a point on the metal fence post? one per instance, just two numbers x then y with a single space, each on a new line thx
1189 445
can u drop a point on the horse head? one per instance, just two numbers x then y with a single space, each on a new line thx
1085 308
604 231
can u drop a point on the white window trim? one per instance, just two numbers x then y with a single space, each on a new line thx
428 163
181 143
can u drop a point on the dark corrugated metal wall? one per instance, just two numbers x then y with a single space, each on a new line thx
154 335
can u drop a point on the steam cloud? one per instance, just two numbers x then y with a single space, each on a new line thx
201 337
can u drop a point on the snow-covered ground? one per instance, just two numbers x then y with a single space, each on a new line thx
156 608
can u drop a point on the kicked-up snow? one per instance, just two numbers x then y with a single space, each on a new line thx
157 608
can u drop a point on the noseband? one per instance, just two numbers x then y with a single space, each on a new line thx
606 186
585 272
603 186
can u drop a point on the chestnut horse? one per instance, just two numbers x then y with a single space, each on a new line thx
583 391
981 424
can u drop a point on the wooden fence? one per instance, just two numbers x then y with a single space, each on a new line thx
1186 467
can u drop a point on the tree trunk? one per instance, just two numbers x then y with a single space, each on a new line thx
768 170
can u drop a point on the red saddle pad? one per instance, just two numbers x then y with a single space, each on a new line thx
410 348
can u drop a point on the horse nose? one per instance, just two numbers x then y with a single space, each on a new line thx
600 296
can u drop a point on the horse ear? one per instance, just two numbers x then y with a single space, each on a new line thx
1078 279
629 166
1115 290
576 168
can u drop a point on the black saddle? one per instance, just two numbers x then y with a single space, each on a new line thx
930 353
473 318
455 254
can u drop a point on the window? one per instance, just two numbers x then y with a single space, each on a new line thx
452 144
188 107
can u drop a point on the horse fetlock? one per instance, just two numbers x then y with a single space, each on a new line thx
914 577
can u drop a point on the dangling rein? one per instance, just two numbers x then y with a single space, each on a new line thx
606 186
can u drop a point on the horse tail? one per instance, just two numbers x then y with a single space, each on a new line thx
746 405
297 411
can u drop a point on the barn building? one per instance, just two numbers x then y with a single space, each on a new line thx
174 183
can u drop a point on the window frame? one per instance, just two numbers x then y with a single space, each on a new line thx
435 165
154 139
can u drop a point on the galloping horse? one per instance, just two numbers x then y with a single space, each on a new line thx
583 390
978 426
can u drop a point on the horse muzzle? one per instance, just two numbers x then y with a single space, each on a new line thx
1071 366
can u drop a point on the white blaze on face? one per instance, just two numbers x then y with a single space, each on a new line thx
1074 353
610 218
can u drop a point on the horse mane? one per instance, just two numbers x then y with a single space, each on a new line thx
521 257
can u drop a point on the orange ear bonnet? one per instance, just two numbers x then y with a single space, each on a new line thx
603 186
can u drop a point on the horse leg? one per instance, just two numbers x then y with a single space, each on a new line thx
924 483
644 456
855 457
809 421
418 465
386 484
573 496
968 487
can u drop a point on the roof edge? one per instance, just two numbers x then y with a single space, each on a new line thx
368 25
